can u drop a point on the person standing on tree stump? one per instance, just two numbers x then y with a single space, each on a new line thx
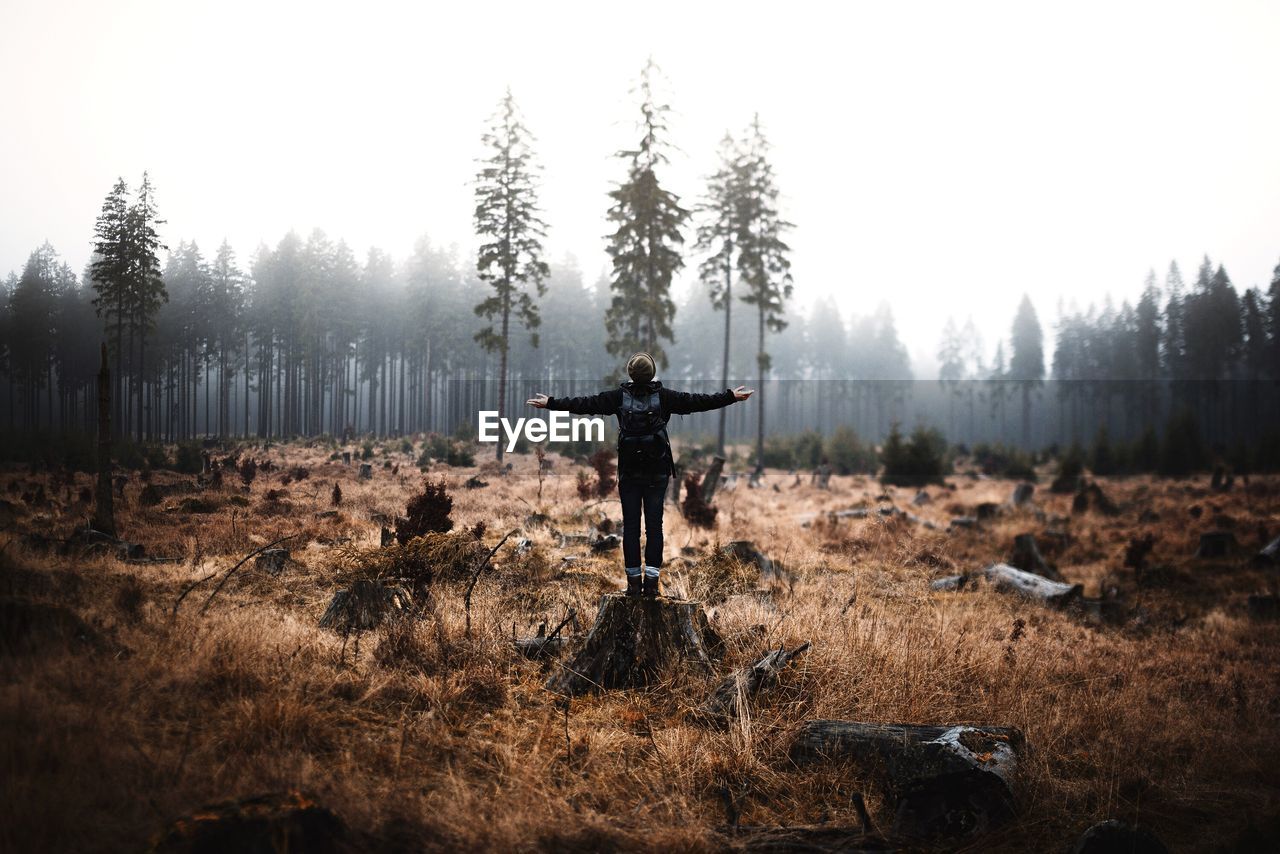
645 464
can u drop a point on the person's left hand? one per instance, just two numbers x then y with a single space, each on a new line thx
742 392
538 400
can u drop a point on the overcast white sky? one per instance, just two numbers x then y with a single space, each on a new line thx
945 157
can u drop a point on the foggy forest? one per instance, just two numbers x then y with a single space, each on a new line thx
263 586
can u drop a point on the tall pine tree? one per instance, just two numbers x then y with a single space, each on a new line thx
147 292
762 258
721 211
645 246
507 217
110 272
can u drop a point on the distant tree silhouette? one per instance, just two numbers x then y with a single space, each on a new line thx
1026 365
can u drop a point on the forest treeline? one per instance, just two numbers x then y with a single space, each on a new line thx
304 338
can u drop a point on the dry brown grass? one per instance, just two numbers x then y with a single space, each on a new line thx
435 740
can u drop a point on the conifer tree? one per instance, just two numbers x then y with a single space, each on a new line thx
721 211
147 291
507 217
763 260
110 272
645 245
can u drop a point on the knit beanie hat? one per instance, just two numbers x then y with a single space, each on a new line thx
641 368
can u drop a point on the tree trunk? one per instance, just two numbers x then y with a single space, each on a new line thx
712 479
724 373
951 781
760 362
634 641
103 513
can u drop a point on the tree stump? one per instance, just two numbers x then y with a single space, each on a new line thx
363 606
1216 544
1027 556
950 781
746 551
1263 606
366 471
272 561
730 696
346 458
634 641
1022 494
712 479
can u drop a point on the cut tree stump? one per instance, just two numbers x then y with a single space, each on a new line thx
366 471
746 551
1022 494
272 561
712 479
943 781
363 606
1263 606
636 639
1027 556
1216 544
730 696
1032 586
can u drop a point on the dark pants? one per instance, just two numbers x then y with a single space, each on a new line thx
646 494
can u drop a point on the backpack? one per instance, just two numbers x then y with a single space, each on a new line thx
643 446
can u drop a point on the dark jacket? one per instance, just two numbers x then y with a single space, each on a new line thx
672 402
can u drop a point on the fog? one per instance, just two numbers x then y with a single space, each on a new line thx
942 157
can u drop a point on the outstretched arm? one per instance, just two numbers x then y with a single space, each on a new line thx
604 403
684 403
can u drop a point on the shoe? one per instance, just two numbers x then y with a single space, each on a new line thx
633 585
650 587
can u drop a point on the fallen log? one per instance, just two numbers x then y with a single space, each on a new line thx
740 687
634 641
942 781
1027 556
1010 578
1270 553
288 821
540 647
807 839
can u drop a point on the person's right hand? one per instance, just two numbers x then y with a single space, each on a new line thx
742 392
538 400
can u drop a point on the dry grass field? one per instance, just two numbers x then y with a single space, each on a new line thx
120 713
